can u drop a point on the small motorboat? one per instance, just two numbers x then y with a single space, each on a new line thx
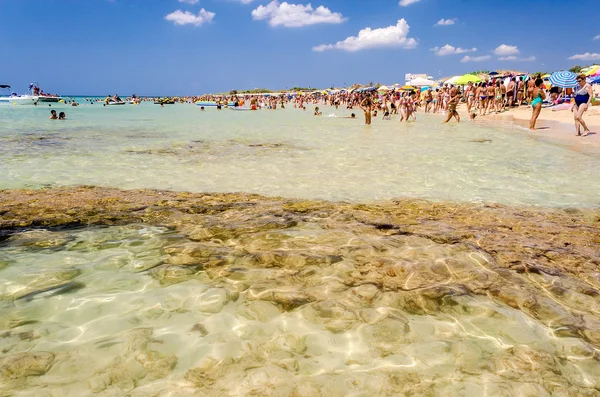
15 99
115 103
50 99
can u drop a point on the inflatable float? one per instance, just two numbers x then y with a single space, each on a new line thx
213 104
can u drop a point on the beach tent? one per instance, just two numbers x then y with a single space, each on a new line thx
564 79
466 79
420 82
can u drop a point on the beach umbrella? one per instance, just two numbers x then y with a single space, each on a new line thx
493 73
420 82
383 88
594 80
407 88
452 80
466 79
564 79
592 71
425 88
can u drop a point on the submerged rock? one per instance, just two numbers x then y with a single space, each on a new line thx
22 365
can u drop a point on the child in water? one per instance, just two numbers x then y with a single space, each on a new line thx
62 116
386 115
317 113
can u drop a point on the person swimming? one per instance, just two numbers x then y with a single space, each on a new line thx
53 115
62 116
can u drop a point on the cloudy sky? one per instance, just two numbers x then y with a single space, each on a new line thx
160 47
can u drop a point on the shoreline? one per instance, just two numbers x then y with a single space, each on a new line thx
557 126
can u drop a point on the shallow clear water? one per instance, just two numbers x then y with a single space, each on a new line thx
141 310
290 153
97 306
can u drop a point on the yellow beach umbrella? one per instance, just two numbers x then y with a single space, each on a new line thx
466 79
407 88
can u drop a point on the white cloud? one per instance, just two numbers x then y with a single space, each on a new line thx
189 1
445 22
506 50
406 3
476 59
185 17
392 36
295 15
596 37
514 58
586 57
450 50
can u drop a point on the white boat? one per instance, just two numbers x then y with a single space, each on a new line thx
14 99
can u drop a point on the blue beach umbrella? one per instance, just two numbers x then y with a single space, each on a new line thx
594 80
564 79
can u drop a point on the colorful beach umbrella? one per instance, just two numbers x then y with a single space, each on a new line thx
594 80
407 88
466 79
564 79
592 71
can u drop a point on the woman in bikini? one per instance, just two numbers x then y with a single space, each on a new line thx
583 100
470 93
403 104
482 98
538 96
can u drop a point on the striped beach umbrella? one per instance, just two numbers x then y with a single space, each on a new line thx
564 79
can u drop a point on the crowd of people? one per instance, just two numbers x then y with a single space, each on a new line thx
493 96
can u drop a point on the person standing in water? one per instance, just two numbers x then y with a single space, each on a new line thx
583 100
366 105
538 95
452 103
53 115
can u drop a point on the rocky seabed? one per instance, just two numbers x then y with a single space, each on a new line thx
105 292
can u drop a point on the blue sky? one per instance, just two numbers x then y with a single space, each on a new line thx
161 47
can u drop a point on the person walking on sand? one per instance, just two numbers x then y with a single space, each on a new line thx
366 105
583 100
538 95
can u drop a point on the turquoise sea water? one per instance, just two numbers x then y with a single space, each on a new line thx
141 310
291 153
